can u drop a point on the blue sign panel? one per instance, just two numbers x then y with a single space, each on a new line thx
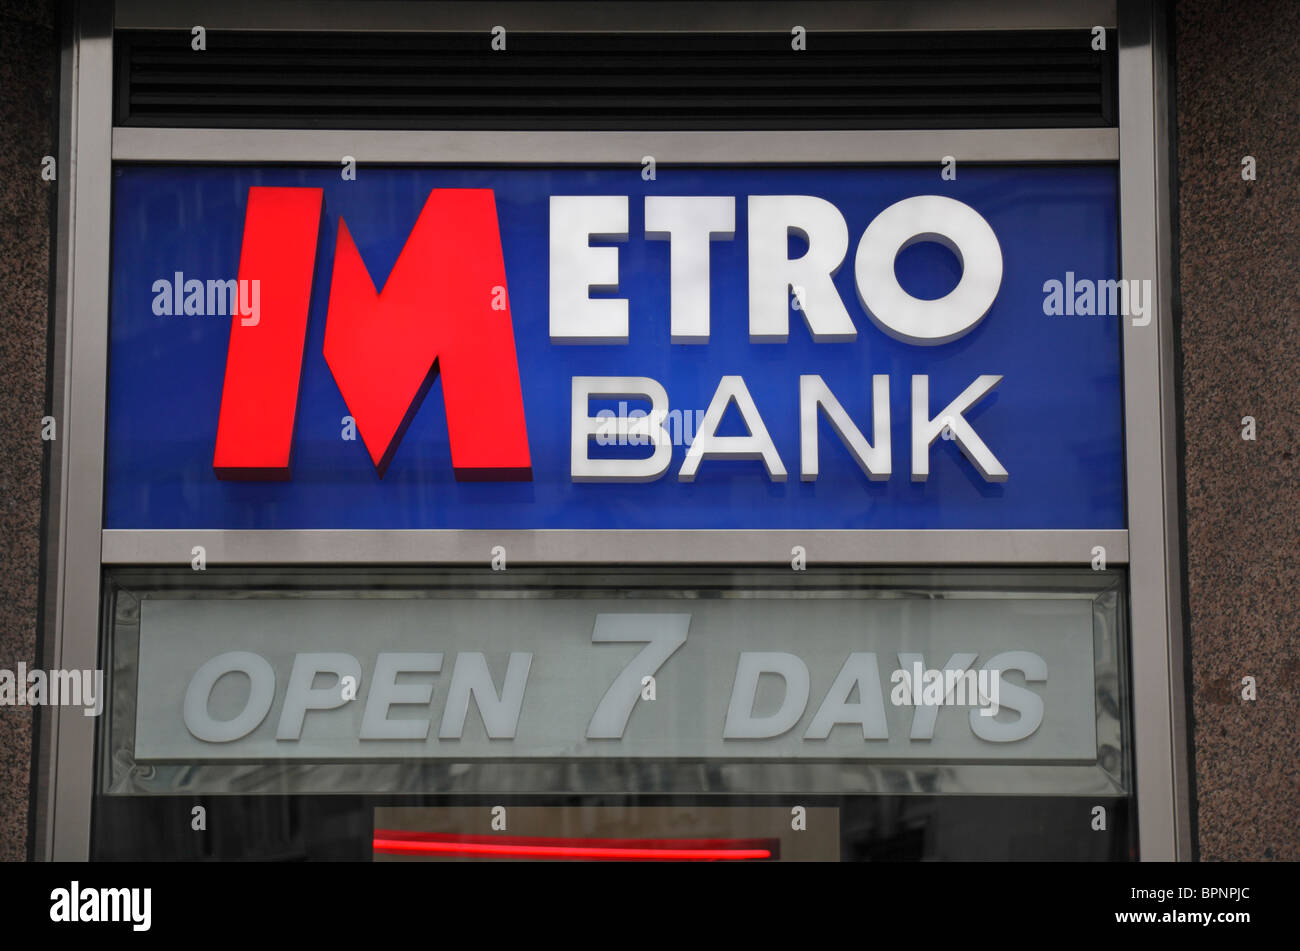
1053 422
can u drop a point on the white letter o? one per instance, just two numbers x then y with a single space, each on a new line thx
959 228
261 692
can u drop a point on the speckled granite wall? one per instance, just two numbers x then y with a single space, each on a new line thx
1238 76
28 62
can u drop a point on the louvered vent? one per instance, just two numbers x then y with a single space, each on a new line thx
1031 79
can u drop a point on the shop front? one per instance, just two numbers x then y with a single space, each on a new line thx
471 463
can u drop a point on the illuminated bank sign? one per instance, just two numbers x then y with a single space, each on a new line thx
580 348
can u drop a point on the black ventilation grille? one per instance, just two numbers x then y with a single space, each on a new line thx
1031 79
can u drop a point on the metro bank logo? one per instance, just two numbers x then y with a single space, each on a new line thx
443 311
783 347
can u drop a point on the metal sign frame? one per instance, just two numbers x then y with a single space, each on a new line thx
77 548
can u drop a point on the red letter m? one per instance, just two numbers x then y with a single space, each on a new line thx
444 311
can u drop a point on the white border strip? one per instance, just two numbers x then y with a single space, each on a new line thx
323 547
585 148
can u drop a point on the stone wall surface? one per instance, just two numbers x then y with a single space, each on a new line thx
28 67
1238 94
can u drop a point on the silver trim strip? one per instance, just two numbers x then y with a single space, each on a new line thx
322 547
573 148
1174 477
1150 429
682 16
54 488
72 634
